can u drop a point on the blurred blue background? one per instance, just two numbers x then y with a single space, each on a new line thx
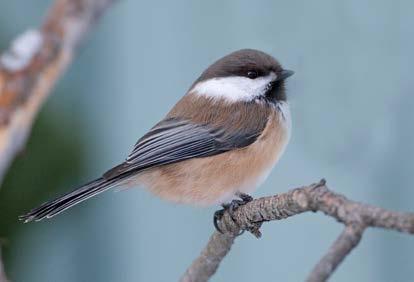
352 104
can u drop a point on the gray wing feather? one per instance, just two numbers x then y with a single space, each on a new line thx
174 140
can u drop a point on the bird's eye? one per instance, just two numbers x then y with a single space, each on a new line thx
252 74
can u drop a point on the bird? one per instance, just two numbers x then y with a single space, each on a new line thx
216 145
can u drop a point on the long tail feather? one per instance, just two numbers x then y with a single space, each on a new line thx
54 207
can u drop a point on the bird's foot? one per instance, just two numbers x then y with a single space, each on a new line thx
231 208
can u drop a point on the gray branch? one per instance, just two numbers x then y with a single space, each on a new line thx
348 240
316 197
207 263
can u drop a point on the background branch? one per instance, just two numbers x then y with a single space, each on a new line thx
317 197
32 65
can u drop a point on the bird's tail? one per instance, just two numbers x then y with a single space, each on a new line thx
52 208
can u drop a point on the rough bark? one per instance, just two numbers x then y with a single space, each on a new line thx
316 197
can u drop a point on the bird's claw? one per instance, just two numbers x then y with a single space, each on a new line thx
244 197
231 208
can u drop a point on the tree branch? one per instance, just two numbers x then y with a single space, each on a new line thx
348 240
32 65
207 263
317 197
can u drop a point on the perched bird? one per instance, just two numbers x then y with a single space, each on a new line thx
217 144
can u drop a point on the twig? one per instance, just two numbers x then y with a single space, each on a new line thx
316 197
348 240
32 65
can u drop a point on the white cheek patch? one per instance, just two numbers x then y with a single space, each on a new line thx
233 88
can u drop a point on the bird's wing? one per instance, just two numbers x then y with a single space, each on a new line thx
173 140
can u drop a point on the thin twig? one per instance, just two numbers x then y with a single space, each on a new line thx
316 197
32 65
348 240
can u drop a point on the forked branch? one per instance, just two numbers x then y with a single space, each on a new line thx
316 197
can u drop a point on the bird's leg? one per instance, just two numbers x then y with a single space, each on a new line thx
231 208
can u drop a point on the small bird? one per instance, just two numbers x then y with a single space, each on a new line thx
215 146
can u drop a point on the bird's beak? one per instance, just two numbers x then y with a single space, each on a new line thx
284 74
